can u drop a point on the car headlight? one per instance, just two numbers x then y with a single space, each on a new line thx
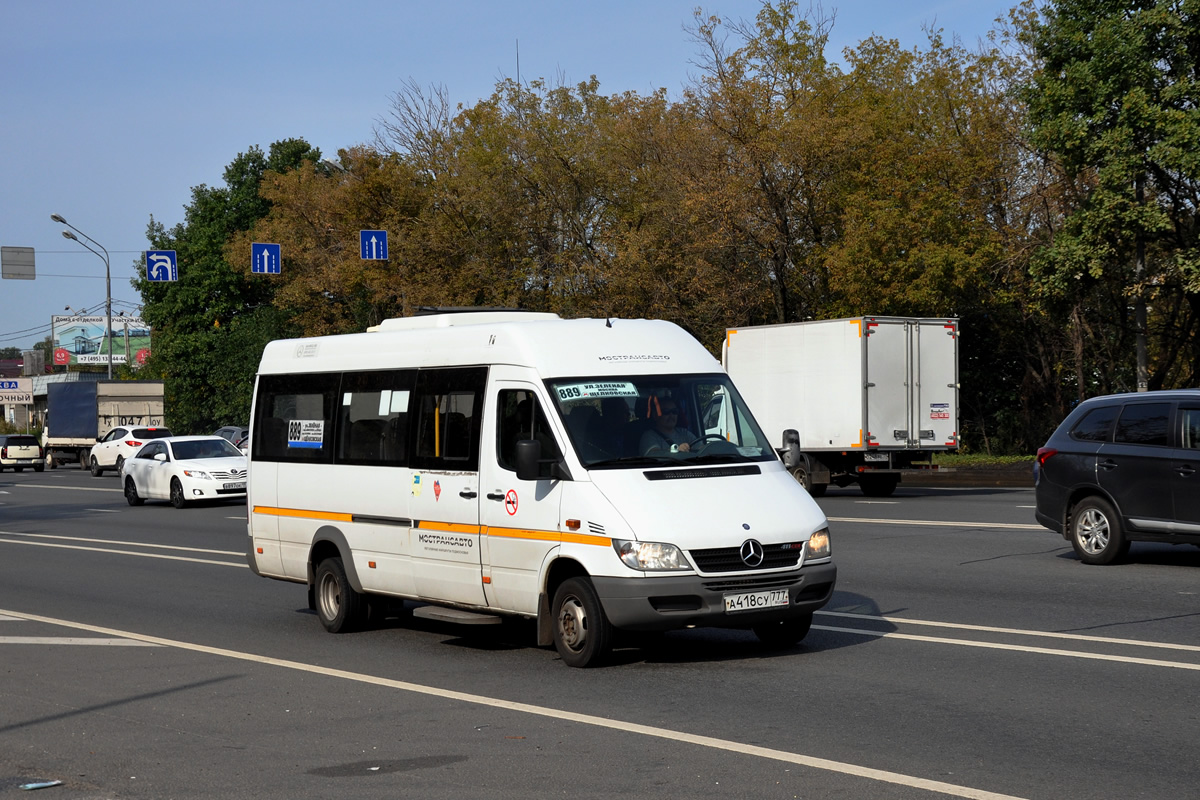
818 545
197 473
650 555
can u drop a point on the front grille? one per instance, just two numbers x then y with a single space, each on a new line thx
729 559
234 475
752 584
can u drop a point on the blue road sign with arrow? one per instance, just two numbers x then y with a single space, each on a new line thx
372 245
161 265
264 258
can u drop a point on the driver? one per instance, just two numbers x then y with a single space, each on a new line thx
665 436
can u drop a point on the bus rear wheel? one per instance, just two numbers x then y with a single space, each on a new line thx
339 607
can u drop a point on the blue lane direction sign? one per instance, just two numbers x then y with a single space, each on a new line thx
161 265
372 245
264 258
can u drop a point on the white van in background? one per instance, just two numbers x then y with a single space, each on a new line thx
513 463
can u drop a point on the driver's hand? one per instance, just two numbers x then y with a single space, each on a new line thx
685 447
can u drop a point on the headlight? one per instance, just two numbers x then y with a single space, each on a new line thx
197 473
818 544
650 555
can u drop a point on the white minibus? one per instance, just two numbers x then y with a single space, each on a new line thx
493 463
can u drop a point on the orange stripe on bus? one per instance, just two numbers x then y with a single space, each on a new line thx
446 527
301 512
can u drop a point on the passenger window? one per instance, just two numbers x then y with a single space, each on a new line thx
373 417
448 404
1144 423
1096 424
1191 428
294 418
520 417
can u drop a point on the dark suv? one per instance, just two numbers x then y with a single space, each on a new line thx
1123 468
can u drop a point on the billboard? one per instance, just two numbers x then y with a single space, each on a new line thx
82 340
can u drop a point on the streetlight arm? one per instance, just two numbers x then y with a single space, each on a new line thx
58 218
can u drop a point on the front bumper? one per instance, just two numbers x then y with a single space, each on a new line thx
671 603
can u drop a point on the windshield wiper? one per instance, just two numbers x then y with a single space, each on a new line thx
635 461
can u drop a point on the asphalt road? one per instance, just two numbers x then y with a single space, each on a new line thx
966 653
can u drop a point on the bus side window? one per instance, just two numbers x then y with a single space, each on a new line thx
295 417
448 406
373 417
521 417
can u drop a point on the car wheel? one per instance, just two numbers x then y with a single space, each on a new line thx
97 470
1096 532
131 493
120 465
804 478
582 634
340 608
177 498
39 467
785 632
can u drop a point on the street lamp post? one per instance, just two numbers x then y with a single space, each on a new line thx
107 279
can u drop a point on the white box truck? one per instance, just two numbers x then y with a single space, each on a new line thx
850 400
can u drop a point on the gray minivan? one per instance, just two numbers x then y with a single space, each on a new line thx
1123 468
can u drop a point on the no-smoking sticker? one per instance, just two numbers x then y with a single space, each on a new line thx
510 501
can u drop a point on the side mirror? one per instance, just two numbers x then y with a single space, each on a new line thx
529 461
791 448
160 456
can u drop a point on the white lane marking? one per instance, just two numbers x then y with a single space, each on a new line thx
242 564
1078 637
1150 662
120 542
551 713
105 510
75 640
243 519
10 619
71 488
876 502
942 523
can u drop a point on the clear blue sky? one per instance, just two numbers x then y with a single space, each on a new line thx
110 112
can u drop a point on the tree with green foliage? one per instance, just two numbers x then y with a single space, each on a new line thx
1117 102
211 325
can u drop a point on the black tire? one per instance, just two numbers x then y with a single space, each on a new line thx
339 607
39 467
1096 533
784 633
878 485
51 462
804 478
131 493
97 470
120 465
582 634
177 498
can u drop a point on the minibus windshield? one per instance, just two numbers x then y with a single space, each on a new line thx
630 421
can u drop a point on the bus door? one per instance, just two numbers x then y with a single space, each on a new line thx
447 405
520 518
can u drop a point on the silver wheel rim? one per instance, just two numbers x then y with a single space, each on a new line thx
329 595
176 493
572 624
1091 531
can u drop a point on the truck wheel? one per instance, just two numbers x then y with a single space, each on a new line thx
785 632
177 498
339 607
878 485
582 634
804 478
51 461
1096 532
97 470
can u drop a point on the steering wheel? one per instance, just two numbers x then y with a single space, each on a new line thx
706 438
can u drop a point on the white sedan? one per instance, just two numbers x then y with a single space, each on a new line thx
185 468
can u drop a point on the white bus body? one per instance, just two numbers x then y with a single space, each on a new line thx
496 463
